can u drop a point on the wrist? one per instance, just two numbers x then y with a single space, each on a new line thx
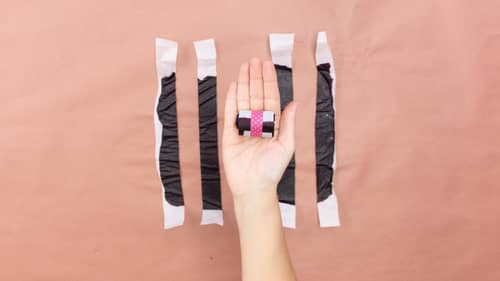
255 203
255 194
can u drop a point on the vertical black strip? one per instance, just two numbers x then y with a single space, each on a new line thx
325 132
169 149
209 156
286 186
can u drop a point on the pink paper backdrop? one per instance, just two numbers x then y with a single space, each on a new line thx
417 128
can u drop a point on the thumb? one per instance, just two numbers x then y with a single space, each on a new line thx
286 135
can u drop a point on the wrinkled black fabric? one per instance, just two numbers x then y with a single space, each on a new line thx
325 132
286 186
209 156
169 149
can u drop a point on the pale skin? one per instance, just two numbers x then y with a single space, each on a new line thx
253 168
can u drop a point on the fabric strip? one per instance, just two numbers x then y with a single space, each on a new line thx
209 156
167 143
325 135
281 45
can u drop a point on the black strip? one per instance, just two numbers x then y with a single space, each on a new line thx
209 157
169 149
243 124
268 127
286 186
325 132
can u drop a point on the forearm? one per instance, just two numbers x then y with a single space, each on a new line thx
264 253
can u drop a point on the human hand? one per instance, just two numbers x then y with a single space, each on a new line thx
253 164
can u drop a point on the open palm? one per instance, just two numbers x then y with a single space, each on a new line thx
251 163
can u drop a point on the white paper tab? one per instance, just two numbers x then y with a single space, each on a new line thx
281 45
287 215
207 56
166 56
212 217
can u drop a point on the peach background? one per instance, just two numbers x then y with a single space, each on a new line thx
418 138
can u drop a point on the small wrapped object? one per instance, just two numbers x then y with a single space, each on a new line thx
255 123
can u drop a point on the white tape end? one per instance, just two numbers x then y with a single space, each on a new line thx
282 37
166 56
322 37
328 212
207 56
281 45
172 215
212 217
287 215
165 42
205 49
323 53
